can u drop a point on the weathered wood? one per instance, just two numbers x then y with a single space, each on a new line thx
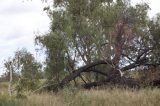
10 80
85 68
114 77
124 82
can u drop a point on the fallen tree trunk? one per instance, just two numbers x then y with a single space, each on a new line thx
86 68
95 84
124 82
114 77
155 83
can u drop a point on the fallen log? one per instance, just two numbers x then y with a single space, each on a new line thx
114 77
123 82
85 68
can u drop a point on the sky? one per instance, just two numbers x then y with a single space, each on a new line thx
21 20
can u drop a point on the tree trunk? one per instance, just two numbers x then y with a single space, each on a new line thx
85 68
10 82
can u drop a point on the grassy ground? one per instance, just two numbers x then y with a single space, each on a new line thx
3 88
108 97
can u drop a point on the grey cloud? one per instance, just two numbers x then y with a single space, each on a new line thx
18 22
18 7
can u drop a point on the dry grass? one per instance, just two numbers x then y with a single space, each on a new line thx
3 88
108 97
114 97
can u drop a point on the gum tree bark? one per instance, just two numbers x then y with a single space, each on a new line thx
10 80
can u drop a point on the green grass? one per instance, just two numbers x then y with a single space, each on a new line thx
108 97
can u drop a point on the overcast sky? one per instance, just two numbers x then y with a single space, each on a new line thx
21 19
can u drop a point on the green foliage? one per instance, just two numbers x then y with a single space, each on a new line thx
30 71
28 66
55 59
83 31
26 84
27 70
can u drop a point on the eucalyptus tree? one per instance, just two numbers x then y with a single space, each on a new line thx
112 36
26 68
9 65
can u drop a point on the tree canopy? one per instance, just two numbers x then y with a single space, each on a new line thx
95 41
23 71
103 36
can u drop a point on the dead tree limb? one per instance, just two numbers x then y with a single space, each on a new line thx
125 82
85 68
